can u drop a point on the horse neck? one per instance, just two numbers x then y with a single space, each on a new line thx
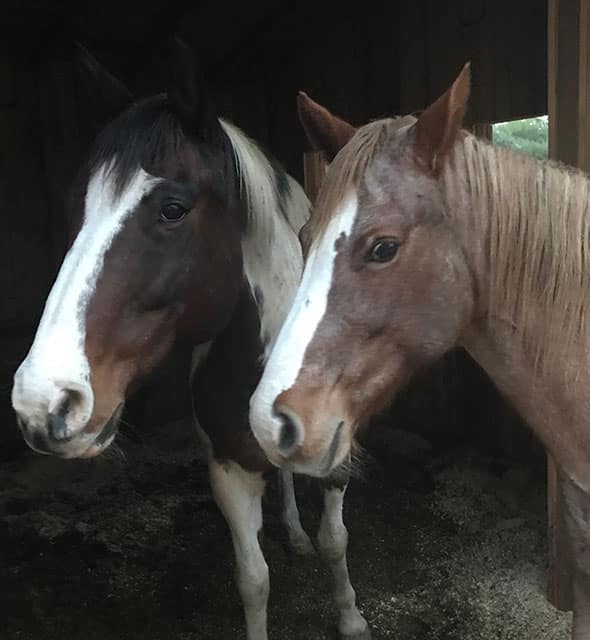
553 405
277 208
507 340
524 226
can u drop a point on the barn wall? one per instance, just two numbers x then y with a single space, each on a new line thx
342 58
505 41
394 59
33 235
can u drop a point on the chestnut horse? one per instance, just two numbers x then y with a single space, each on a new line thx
187 232
424 238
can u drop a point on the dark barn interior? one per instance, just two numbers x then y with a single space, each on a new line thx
448 521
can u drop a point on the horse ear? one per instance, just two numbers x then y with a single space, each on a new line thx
438 126
186 87
107 95
325 131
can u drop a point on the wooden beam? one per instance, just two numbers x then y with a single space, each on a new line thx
568 102
584 88
559 583
559 586
552 26
314 170
483 130
564 78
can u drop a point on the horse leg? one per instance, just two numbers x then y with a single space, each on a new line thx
298 539
332 541
238 494
577 512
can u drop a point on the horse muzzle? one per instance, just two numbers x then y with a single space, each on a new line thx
55 438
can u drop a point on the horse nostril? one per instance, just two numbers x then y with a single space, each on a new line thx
290 433
56 419
57 427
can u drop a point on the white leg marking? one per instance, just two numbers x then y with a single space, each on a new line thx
239 496
298 539
333 539
300 326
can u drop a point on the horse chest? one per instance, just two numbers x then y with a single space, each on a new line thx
222 383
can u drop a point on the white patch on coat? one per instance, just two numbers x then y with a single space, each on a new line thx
270 245
307 311
57 359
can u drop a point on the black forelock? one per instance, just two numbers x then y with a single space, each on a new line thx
143 135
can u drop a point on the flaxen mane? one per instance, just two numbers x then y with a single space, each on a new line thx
539 241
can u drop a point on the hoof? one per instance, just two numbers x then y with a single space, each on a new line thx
363 635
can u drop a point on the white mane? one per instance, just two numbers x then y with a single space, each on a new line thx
271 252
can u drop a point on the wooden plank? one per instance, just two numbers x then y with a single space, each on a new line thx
568 102
552 27
583 136
314 170
559 587
563 73
559 583
483 130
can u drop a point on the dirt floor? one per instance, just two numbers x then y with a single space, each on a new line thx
442 547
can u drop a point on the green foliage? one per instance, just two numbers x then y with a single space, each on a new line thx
527 136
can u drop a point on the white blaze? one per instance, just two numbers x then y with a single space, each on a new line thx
305 315
56 360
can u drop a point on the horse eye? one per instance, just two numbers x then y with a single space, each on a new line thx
383 250
173 212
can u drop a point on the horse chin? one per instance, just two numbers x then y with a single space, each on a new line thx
105 436
321 465
96 449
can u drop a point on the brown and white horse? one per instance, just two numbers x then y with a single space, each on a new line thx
187 232
424 238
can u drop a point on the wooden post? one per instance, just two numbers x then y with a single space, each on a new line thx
568 104
563 79
314 169
568 82
483 130
584 88
559 584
